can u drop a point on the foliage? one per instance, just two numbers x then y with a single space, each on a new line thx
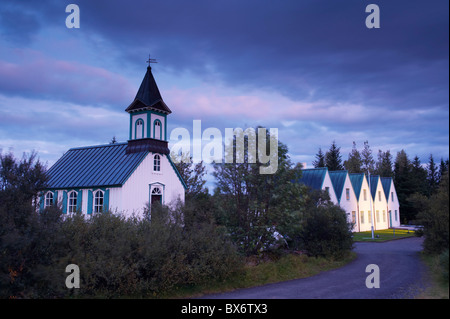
192 174
142 257
383 166
434 216
367 161
320 159
354 162
325 230
333 158
254 207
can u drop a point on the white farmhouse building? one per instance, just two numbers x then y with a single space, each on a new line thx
319 179
345 195
120 177
364 200
393 206
379 203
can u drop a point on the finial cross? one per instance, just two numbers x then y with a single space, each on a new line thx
150 60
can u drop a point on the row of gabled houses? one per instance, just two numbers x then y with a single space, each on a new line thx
366 200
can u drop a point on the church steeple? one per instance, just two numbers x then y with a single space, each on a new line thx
148 118
148 96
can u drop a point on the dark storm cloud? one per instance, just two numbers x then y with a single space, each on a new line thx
389 82
304 49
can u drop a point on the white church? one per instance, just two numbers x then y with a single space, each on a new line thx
120 177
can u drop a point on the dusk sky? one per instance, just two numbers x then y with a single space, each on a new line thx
310 68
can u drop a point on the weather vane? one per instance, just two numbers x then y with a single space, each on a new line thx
150 60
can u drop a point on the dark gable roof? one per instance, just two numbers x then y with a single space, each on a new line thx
313 177
357 179
386 182
148 96
94 166
373 185
338 181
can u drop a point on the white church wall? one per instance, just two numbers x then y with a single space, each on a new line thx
136 190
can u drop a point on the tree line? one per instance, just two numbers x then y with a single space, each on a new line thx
411 176
206 238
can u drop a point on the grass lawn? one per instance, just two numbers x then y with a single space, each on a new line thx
383 235
286 268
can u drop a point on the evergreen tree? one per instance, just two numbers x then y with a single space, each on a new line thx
368 163
403 184
418 177
443 168
433 177
333 158
354 162
320 159
384 164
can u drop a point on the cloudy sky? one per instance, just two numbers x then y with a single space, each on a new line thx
310 68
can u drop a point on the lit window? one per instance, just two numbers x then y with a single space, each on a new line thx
72 206
98 202
347 193
48 199
157 163
365 194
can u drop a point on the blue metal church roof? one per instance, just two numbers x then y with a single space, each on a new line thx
94 166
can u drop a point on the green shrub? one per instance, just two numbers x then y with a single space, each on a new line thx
325 230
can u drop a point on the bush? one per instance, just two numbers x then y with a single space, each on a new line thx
325 231
117 257
434 216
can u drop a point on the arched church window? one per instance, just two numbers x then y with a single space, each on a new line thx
156 195
156 191
157 163
157 129
139 129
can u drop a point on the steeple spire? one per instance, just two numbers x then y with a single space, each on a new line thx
148 95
